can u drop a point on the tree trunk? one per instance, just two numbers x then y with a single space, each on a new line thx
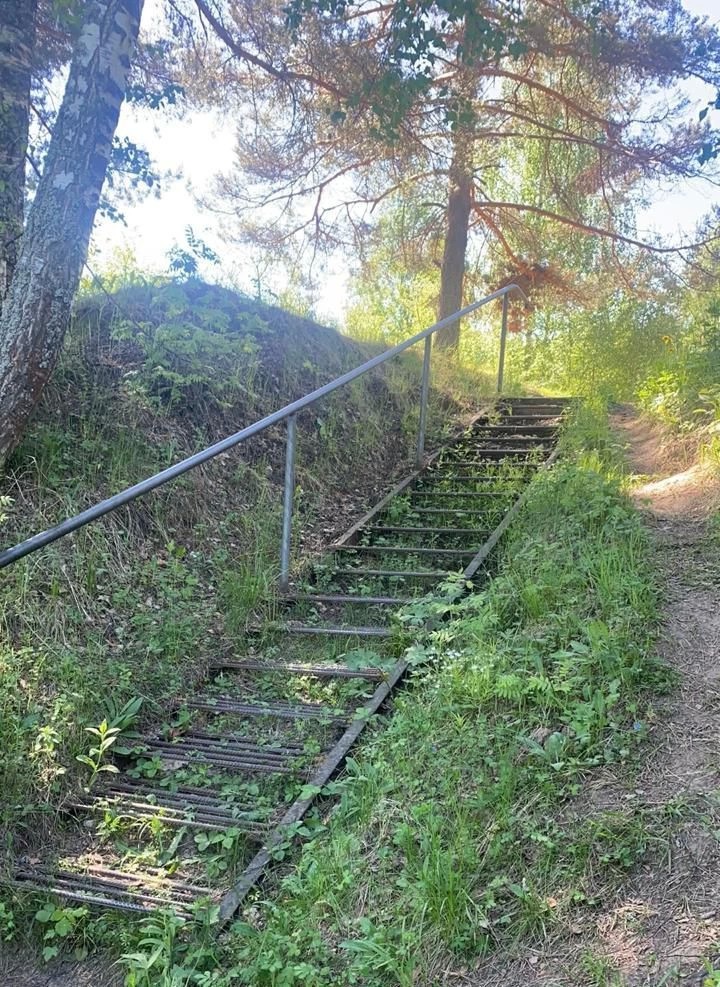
17 44
37 308
452 273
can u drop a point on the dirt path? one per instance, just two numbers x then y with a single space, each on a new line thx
666 920
662 926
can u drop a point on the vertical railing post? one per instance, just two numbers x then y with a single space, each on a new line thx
288 498
424 392
503 340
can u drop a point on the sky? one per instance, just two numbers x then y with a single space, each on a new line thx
194 149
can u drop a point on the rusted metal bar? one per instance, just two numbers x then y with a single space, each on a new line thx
292 668
372 601
393 573
292 627
285 711
451 510
408 529
456 553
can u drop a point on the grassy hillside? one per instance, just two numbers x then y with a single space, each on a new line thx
136 604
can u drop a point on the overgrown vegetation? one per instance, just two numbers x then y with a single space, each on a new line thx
133 607
462 825
460 829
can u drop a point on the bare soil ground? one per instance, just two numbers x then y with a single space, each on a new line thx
661 927
17 970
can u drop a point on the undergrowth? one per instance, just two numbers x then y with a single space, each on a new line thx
134 606
461 829
455 836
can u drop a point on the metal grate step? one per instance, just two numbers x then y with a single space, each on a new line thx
292 668
383 601
246 756
293 627
255 754
140 891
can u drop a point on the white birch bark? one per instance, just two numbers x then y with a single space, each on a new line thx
17 43
53 247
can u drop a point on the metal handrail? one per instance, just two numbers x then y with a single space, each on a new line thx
287 413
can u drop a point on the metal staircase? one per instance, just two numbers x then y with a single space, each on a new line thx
242 762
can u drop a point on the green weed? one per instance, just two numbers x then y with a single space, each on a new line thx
447 842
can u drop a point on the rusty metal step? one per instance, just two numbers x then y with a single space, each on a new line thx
524 441
462 494
247 756
295 627
383 601
475 480
279 709
517 456
531 418
379 601
198 795
508 430
408 529
437 574
449 553
292 668
174 811
450 510
105 887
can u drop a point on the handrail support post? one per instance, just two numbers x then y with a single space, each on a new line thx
288 499
424 393
503 341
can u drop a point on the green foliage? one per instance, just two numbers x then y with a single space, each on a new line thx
418 37
60 924
712 978
107 734
395 293
593 352
451 837
95 759
681 389
196 354
165 956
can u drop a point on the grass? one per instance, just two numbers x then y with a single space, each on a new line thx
135 606
462 829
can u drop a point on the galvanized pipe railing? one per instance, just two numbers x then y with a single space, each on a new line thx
503 342
288 413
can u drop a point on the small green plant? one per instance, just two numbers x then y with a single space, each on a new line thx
118 721
124 717
712 978
8 923
167 955
61 924
96 757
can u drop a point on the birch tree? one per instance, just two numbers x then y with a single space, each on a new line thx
17 44
47 261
